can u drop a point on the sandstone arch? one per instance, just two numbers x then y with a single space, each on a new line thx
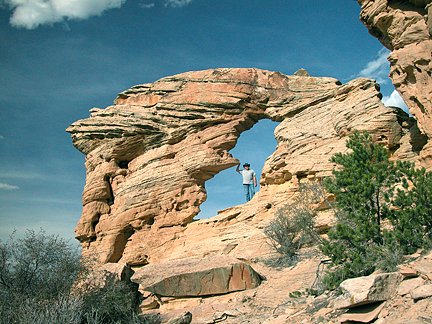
225 190
160 142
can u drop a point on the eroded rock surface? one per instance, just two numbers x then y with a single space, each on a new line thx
197 277
405 28
148 157
366 290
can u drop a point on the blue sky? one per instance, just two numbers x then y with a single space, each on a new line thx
60 58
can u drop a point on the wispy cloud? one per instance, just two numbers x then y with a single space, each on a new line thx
32 13
147 5
177 3
22 175
395 100
377 69
5 186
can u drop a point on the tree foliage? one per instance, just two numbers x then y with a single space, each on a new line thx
384 210
38 266
38 274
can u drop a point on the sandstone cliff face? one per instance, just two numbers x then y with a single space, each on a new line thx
148 157
405 28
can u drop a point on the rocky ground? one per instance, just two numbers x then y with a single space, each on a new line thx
404 297
293 294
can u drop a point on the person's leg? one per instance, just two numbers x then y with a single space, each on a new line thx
246 190
251 191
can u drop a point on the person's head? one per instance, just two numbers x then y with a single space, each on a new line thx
246 166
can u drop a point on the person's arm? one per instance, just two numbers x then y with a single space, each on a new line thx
238 167
255 180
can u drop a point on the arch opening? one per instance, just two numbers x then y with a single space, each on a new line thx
225 189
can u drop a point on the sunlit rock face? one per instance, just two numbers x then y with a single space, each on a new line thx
149 155
405 28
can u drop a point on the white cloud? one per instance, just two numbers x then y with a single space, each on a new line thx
147 5
177 3
377 69
32 13
5 186
22 175
395 100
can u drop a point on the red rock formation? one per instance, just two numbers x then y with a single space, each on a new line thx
148 157
197 277
405 28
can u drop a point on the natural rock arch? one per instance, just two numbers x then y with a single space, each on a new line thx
225 189
148 156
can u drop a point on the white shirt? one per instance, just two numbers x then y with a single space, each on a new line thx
248 176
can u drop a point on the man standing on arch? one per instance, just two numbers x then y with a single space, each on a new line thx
249 180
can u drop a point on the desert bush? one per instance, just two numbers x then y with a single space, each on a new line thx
37 277
35 270
67 309
111 303
384 211
293 226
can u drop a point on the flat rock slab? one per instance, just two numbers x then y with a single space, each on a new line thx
421 292
407 285
197 277
370 289
363 314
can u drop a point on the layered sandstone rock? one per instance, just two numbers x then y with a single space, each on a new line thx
196 277
148 157
405 28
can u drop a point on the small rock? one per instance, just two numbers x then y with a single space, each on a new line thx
151 302
184 318
407 285
421 292
363 314
408 272
383 313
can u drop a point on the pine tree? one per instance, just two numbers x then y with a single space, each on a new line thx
363 186
412 212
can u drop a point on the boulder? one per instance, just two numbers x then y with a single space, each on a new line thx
424 267
105 274
408 272
196 277
370 289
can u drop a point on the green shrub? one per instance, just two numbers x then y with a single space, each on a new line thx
384 211
364 185
37 274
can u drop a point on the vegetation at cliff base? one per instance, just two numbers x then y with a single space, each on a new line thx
383 208
38 278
